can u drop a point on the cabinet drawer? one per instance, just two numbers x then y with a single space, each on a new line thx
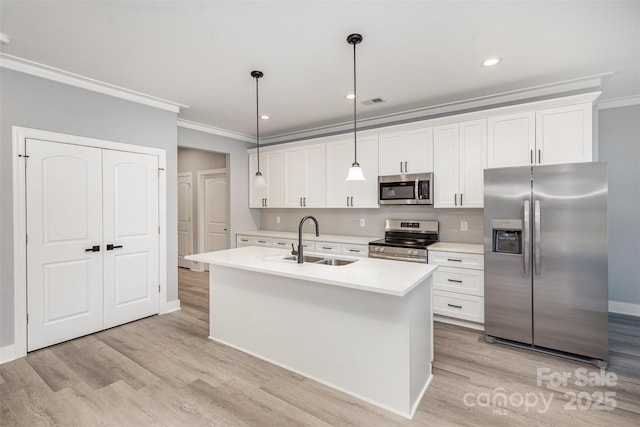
244 241
355 250
328 247
460 306
286 244
262 241
457 259
461 280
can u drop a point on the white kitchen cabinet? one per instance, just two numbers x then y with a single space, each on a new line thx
406 152
459 162
359 194
272 168
511 140
564 134
458 284
304 176
546 136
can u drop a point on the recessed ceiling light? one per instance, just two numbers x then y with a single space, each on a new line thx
490 62
350 96
265 117
5 39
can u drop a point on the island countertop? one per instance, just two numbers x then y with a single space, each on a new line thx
389 277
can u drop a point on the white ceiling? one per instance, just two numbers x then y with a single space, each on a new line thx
415 54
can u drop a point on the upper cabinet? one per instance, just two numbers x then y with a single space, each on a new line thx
356 194
406 152
272 168
304 177
459 163
542 137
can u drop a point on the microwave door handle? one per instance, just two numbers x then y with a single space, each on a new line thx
416 190
526 255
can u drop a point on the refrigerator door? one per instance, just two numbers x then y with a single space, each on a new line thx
570 286
507 276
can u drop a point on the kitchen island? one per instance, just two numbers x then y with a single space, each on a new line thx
365 328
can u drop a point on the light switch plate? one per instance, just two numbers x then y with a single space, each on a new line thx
277 220
363 223
464 226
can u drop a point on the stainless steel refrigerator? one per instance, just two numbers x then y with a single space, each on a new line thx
545 254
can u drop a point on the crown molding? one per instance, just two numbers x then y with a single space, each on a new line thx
187 124
533 93
50 73
625 101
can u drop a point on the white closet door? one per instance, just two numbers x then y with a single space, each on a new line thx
64 219
215 215
131 277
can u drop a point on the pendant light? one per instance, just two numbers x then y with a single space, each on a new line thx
258 179
355 171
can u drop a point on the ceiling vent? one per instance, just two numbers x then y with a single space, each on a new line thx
373 101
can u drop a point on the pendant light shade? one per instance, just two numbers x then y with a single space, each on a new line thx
355 171
258 179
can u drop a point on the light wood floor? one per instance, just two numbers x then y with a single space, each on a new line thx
164 371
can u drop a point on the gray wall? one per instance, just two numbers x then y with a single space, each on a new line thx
190 160
347 221
33 102
619 145
241 218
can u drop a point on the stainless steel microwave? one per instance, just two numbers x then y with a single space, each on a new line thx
406 189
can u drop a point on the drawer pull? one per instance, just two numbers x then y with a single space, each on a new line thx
354 250
282 243
453 259
455 306
262 241
454 280
327 247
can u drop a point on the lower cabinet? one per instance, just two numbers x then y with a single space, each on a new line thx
335 248
458 287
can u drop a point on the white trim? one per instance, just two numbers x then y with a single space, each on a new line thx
458 322
20 134
627 308
187 124
626 101
8 353
50 73
201 174
172 306
191 224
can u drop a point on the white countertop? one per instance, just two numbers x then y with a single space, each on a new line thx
467 248
382 276
335 238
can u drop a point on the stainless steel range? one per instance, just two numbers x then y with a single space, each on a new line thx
405 240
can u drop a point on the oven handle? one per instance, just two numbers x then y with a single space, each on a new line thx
398 257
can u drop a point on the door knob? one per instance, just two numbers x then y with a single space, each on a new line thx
93 249
111 247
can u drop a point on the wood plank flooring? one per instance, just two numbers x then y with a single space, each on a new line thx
163 371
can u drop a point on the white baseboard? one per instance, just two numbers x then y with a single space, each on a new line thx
8 353
624 308
459 322
171 306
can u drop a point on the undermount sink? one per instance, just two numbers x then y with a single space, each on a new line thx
322 261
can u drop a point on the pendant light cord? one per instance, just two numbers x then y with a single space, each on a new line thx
258 123
355 92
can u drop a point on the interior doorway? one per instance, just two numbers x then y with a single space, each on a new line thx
213 222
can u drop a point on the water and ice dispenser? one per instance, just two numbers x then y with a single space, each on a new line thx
506 236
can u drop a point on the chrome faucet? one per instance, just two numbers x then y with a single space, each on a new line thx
299 251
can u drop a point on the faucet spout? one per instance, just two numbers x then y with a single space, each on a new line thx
315 221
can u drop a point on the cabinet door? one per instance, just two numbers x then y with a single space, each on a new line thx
391 153
315 195
295 172
274 168
339 159
564 134
257 195
473 140
419 150
445 173
511 140
365 193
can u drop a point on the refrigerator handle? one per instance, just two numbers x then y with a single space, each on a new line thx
526 257
536 236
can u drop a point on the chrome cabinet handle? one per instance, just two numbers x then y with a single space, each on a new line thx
300 201
351 201
455 199
347 201
354 250
405 167
454 259
453 305
454 280
526 256
304 201
531 157
536 235
460 199
539 156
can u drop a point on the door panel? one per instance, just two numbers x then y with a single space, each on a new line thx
446 163
473 142
570 294
216 218
507 287
64 218
131 275
185 230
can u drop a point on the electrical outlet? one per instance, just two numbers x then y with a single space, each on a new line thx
277 220
464 226
363 223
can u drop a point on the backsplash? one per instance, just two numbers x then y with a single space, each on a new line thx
347 221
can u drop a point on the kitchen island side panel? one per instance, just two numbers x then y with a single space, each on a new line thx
356 341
